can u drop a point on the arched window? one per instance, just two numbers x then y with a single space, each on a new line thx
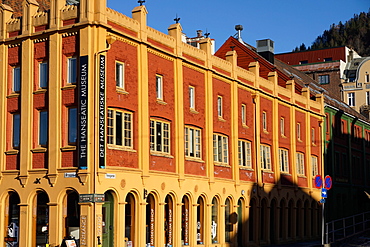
252 220
12 219
200 221
185 221
72 219
150 220
228 224
41 221
168 221
130 219
241 223
214 223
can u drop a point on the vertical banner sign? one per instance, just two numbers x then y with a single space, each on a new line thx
82 113
102 111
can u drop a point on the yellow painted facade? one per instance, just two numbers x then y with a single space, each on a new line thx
248 213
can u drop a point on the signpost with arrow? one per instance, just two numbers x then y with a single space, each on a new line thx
324 186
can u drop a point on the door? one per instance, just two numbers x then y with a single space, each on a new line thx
107 224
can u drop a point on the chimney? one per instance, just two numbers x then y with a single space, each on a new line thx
239 29
199 33
265 48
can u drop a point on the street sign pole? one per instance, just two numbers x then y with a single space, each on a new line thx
323 225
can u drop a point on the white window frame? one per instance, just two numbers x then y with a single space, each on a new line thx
351 99
160 136
244 114
119 131
159 87
245 154
220 149
313 140
265 152
219 106
300 164
314 165
16 79
299 131
120 75
282 126
193 140
284 160
43 74
192 97
264 121
71 70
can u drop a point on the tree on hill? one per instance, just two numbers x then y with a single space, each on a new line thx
354 33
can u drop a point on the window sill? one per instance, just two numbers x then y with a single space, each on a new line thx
286 174
121 90
121 148
39 150
13 95
265 132
194 159
246 168
283 136
301 176
12 152
68 148
267 171
69 86
221 119
245 126
161 154
40 91
161 102
222 165
193 111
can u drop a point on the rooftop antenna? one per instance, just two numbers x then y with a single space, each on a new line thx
239 29
207 33
177 19
141 2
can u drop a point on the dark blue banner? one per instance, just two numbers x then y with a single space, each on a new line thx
82 89
102 111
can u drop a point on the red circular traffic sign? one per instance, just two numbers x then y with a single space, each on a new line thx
318 181
328 182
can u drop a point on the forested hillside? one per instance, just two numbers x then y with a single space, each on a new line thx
354 33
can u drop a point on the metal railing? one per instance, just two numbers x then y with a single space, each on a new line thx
341 229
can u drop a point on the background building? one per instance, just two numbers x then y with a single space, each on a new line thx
115 133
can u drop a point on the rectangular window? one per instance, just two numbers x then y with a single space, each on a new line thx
264 121
265 157
328 59
16 130
351 99
324 79
192 97
298 131
16 79
192 142
120 75
244 114
313 136
220 149
119 128
303 62
367 78
300 164
282 126
219 106
283 160
159 136
368 98
43 128
315 169
72 70
245 154
159 86
43 75
72 126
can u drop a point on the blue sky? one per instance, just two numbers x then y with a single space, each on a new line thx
287 22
